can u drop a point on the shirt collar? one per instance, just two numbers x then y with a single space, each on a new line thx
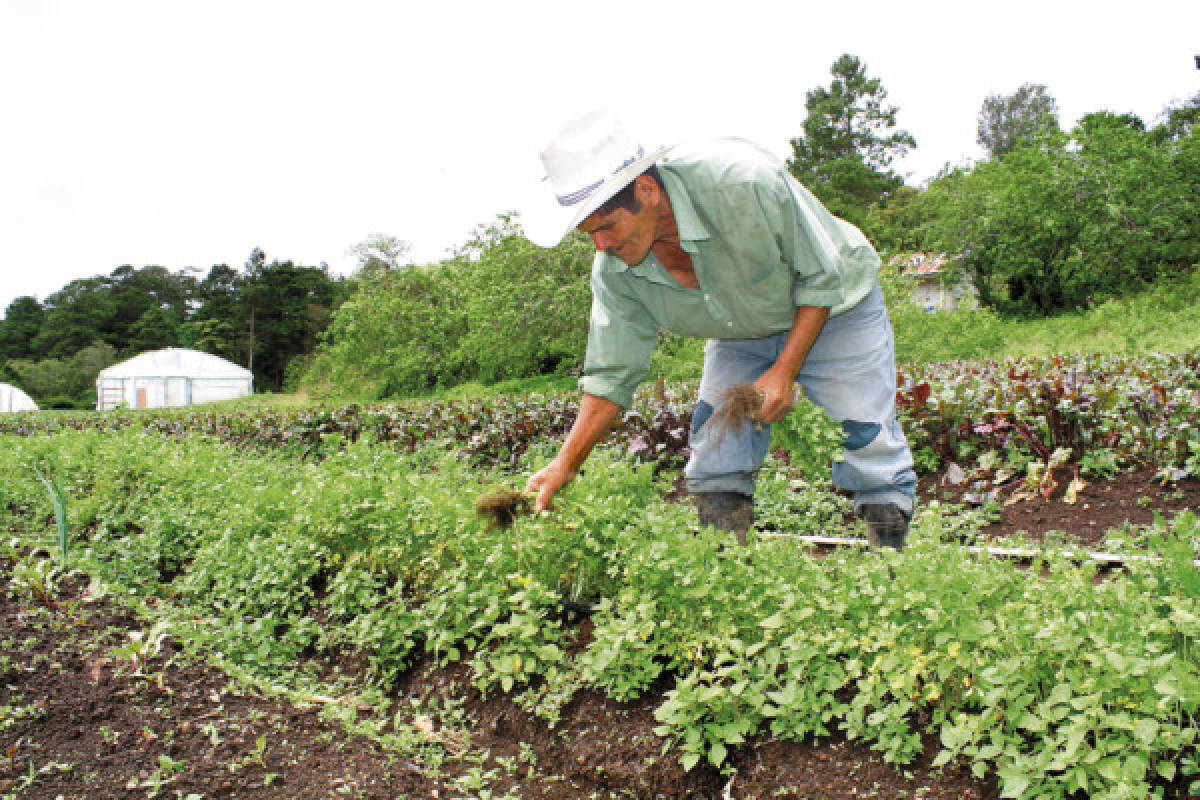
691 229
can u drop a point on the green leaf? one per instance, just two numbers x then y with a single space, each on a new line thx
1166 769
732 733
717 754
773 621
1032 722
1060 694
952 737
1109 768
1014 783
1146 731
688 761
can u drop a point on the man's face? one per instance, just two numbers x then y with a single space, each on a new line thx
625 234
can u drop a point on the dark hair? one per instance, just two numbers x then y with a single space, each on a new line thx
626 198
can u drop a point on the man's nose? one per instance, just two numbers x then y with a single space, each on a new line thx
600 241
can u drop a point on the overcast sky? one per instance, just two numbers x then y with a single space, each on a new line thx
184 134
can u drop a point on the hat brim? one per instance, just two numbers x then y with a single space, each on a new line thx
546 221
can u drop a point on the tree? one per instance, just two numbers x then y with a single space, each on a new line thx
284 308
155 329
380 254
76 316
1008 121
526 306
1071 223
68 382
1179 120
1092 122
22 322
849 142
277 310
151 304
218 324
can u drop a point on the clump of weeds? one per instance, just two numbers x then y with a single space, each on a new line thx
741 404
501 507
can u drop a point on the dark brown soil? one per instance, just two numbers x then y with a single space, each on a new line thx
1133 498
80 720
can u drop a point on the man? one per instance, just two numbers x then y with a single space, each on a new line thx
720 242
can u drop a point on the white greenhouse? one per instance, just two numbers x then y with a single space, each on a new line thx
13 399
171 377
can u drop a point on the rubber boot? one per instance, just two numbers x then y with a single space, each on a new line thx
726 511
887 525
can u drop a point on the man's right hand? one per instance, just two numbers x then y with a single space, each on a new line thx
591 423
547 482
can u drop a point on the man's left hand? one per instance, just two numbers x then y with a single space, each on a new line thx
777 390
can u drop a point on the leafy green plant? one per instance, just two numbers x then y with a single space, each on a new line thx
809 436
1100 463
1177 547
523 644
35 577
623 657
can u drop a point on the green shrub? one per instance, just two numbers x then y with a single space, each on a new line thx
500 309
1062 224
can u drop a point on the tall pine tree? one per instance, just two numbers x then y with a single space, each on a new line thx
849 141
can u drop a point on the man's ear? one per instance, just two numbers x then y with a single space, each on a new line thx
646 190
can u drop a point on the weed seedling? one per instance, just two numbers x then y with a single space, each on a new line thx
212 732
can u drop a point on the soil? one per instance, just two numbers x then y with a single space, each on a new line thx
79 718
1132 499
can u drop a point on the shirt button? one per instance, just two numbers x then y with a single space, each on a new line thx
707 298
730 324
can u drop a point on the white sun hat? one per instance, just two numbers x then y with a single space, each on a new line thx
590 159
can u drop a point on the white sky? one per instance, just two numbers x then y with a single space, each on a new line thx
184 134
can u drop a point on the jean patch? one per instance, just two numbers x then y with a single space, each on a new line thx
860 434
700 416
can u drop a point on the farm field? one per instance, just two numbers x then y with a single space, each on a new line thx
304 603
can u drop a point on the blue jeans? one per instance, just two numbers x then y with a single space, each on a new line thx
850 373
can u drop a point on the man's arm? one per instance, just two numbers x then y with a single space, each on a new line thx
778 382
595 415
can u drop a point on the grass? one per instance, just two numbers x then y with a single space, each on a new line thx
1164 318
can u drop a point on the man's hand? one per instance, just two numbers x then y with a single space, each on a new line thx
595 415
777 389
778 384
547 482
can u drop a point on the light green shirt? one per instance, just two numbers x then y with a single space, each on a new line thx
760 244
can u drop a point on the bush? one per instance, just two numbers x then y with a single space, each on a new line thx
500 309
1062 224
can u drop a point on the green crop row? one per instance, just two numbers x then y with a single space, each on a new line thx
1102 413
1050 679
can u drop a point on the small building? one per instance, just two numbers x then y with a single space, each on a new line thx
932 292
13 399
171 377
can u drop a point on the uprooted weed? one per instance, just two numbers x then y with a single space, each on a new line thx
740 405
501 507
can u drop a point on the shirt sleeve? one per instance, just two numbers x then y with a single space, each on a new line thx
621 336
811 241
